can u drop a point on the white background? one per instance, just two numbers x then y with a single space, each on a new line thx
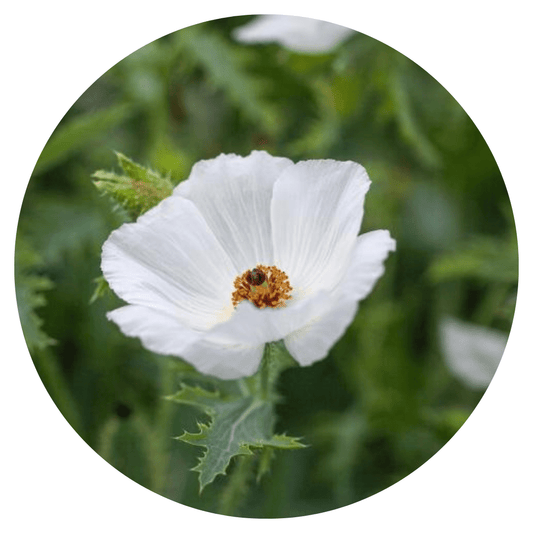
52 51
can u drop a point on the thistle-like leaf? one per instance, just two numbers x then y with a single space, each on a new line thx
237 426
29 287
241 422
136 191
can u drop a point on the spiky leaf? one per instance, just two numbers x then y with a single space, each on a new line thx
29 286
238 424
136 191
241 422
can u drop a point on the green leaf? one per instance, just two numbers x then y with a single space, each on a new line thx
29 287
239 423
72 137
136 191
102 288
410 128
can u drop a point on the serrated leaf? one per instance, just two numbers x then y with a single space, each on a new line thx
241 416
70 138
238 424
137 191
137 172
29 287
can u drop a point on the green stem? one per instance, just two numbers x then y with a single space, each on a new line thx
276 358
234 493
265 377
161 445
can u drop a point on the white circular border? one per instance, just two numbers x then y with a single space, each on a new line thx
479 480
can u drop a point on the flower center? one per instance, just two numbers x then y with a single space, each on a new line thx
264 286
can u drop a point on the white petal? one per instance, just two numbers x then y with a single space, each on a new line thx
169 260
158 331
366 263
225 361
471 352
317 208
165 335
234 194
314 341
295 33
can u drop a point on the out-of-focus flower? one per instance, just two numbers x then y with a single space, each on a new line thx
472 353
248 250
299 34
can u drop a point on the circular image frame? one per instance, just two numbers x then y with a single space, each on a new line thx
124 408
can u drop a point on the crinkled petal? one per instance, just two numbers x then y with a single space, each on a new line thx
169 260
234 194
295 33
317 208
367 263
313 341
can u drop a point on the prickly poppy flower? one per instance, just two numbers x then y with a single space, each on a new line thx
248 250
299 34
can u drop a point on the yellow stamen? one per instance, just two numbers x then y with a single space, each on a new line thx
274 291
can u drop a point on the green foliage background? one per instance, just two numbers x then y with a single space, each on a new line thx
383 402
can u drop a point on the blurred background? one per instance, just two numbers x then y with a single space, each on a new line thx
424 345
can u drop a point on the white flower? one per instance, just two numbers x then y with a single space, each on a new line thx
249 229
471 352
299 34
